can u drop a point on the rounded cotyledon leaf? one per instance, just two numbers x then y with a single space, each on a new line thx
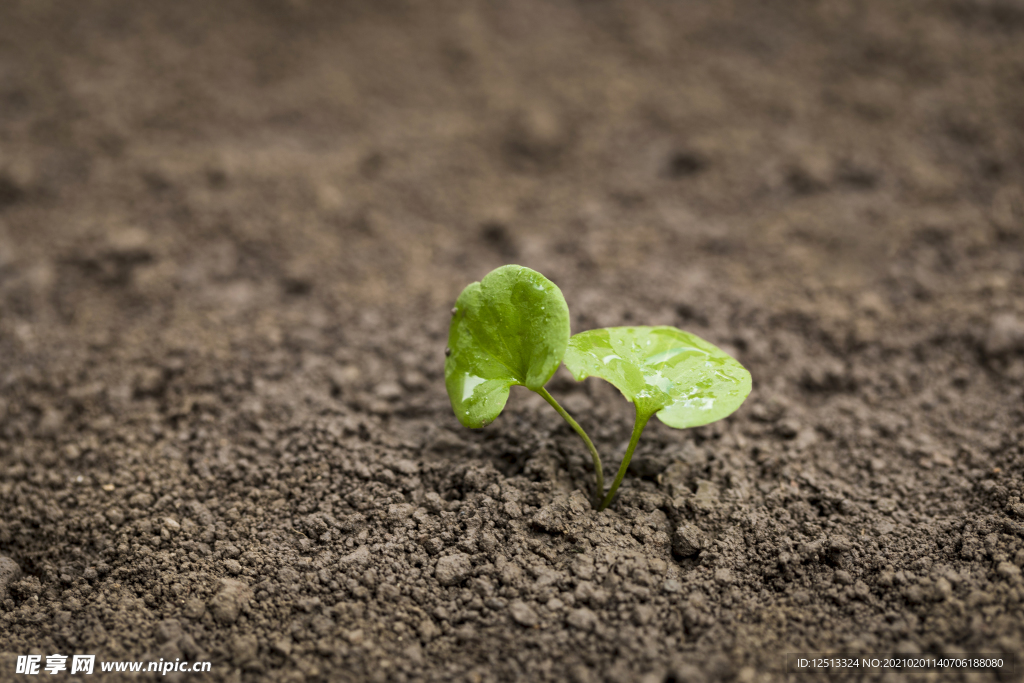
685 380
510 328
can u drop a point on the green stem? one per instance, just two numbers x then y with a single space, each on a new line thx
638 428
583 435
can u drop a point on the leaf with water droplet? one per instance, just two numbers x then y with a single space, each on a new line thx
510 328
685 380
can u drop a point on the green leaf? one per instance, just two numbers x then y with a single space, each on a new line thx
510 328
684 379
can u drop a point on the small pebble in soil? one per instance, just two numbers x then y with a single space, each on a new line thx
230 598
452 569
523 614
9 571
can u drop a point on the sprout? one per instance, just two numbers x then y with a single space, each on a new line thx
512 328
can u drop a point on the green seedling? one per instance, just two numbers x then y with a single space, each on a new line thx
512 328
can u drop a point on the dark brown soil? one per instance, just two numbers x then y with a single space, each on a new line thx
230 234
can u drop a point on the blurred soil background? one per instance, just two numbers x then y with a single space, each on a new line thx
230 236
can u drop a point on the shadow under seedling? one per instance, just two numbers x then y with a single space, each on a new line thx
512 328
